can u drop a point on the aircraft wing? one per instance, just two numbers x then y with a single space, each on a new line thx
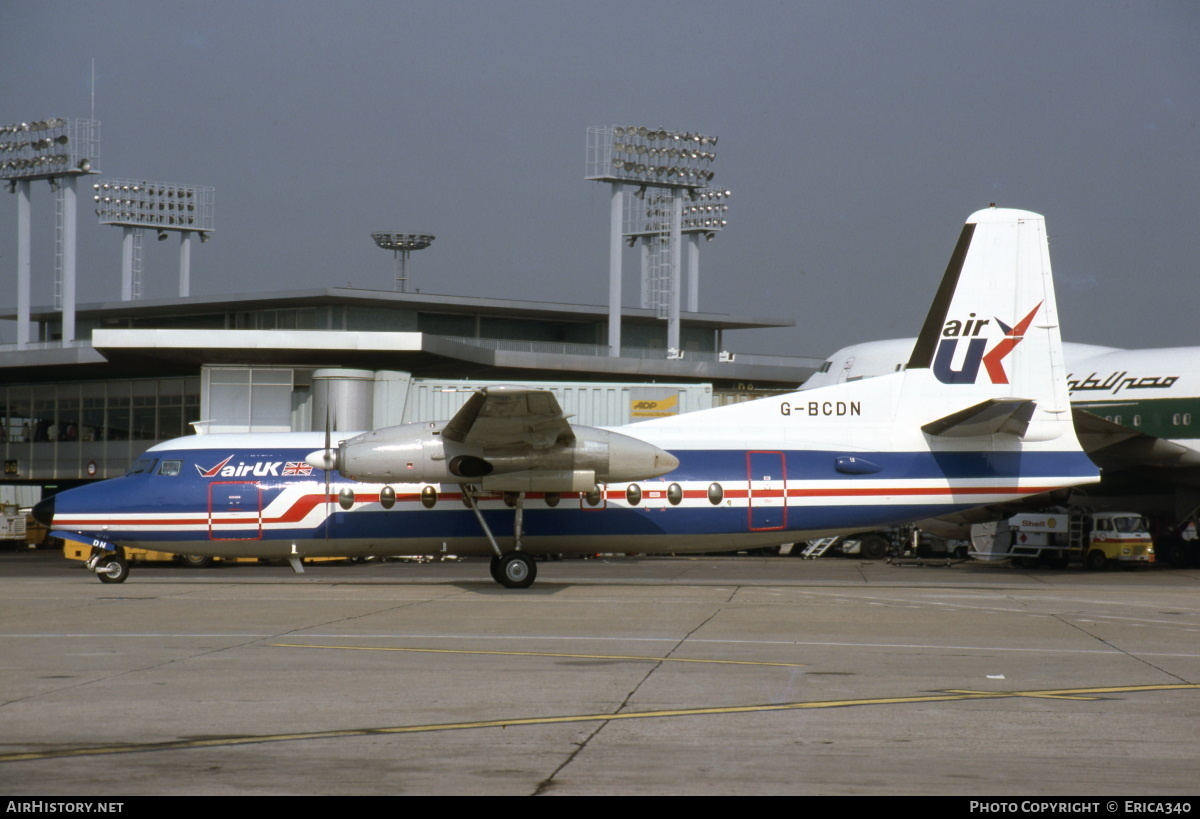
504 416
1114 447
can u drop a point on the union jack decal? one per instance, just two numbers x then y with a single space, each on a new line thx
297 468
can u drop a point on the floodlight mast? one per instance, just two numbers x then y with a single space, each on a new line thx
57 150
704 212
648 158
138 205
402 245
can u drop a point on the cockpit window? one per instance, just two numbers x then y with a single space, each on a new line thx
142 465
170 467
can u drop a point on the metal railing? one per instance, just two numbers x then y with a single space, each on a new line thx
565 348
13 347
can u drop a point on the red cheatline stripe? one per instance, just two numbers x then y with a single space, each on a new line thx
303 505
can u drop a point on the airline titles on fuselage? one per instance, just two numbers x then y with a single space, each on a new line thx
1116 381
261 469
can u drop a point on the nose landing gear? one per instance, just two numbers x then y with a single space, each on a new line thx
109 566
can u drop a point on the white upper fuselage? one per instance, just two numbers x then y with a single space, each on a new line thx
1153 391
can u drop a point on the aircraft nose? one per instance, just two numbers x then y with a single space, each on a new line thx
43 512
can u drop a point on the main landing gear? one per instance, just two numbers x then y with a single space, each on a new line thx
513 569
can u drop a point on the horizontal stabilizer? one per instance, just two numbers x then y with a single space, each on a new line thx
996 416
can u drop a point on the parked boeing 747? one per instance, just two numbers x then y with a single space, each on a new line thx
979 416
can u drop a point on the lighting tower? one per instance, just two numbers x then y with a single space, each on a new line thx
57 150
402 245
649 158
139 205
647 220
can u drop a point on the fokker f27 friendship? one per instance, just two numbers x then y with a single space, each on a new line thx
979 416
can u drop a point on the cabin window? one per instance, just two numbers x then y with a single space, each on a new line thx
346 498
552 498
593 497
715 493
633 494
170 467
429 497
387 497
674 494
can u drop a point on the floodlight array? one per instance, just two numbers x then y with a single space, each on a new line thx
155 205
48 148
403 241
704 211
650 156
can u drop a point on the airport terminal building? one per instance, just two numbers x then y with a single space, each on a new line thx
147 371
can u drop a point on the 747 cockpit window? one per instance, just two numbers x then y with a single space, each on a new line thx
142 465
170 467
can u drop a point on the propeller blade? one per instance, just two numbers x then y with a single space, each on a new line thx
331 459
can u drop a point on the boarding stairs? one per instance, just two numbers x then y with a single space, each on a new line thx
818 548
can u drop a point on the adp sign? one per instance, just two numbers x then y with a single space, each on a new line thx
977 353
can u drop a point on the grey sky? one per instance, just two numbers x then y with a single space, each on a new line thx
856 137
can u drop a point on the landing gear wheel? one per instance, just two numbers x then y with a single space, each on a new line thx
197 561
516 570
1059 560
1097 561
112 570
494 568
873 547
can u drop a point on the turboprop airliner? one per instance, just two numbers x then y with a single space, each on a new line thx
979 416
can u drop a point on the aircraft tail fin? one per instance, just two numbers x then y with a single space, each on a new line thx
994 325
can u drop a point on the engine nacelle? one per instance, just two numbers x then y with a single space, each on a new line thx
417 453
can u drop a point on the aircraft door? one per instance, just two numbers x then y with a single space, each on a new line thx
766 474
234 511
654 494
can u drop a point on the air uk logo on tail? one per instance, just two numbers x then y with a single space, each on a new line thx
977 352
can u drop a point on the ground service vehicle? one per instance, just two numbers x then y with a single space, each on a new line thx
12 525
1098 540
